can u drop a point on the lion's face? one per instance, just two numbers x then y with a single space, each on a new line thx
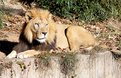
39 28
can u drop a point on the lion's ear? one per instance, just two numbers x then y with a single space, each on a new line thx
28 16
50 16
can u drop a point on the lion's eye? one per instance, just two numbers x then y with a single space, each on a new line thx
36 26
46 24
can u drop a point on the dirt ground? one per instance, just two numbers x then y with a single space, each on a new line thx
108 32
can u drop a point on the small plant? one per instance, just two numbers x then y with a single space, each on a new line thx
1 23
67 63
22 65
44 60
118 43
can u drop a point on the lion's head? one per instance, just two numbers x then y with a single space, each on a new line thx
39 26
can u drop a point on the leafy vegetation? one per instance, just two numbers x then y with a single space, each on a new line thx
88 10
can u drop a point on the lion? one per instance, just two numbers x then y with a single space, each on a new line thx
41 33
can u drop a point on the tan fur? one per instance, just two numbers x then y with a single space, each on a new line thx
78 36
39 16
63 36
67 36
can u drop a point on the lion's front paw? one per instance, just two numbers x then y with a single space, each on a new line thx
27 54
22 55
12 54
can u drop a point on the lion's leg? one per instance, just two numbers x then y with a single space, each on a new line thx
72 39
27 54
74 47
13 54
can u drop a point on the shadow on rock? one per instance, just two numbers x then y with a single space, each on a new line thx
6 46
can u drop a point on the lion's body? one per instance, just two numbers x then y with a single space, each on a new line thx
78 37
73 37
58 35
61 39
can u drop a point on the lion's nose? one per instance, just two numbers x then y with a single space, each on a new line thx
44 33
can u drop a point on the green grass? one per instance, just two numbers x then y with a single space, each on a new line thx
87 10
